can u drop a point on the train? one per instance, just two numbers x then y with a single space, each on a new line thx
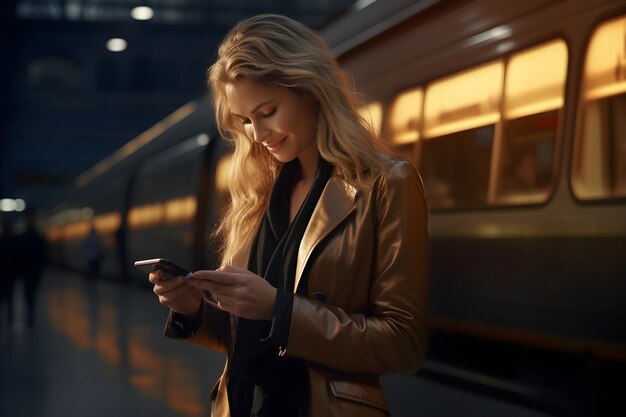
511 113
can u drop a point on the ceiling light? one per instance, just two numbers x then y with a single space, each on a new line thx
20 205
142 13
202 139
116 45
9 204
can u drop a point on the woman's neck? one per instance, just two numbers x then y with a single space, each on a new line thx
308 166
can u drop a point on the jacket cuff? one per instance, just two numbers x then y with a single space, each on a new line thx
279 332
179 326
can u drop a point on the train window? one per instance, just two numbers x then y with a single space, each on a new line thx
76 230
533 98
373 114
107 223
172 211
180 210
404 117
222 171
165 193
404 121
460 114
600 152
147 215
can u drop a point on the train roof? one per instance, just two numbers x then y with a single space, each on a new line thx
368 19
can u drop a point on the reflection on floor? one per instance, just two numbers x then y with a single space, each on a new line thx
97 350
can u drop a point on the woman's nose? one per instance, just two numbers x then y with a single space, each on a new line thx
259 132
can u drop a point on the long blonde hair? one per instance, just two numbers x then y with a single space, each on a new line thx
276 50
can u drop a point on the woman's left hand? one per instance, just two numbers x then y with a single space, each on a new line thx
238 291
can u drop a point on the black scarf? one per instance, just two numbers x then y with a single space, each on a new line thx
273 256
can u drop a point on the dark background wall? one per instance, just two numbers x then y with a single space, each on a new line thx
68 102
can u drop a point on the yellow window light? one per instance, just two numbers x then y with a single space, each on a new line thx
180 210
373 113
148 215
404 117
464 101
54 234
605 68
535 80
77 230
173 211
107 223
221 174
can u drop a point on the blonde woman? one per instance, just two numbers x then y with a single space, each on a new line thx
323 285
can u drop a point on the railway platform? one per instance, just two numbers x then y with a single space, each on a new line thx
97 349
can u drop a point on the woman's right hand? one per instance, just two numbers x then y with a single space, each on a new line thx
176 294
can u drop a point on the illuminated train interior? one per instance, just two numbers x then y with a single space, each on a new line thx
517 124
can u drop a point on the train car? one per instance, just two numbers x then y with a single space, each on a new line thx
515 115
161 193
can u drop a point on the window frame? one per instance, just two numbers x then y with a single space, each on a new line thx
580 120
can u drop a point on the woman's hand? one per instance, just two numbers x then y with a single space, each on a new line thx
238 291
176 293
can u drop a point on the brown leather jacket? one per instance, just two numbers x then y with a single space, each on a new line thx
366 252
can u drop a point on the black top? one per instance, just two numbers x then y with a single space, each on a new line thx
261 382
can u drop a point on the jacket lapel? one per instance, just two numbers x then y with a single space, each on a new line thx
334 205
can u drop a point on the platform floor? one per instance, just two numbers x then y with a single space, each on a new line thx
97 350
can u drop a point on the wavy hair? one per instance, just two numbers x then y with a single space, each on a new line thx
276 50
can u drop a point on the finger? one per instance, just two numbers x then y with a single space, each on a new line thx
235 307
155 276
232 268
162 286
226 278
229 308
213 287
174 294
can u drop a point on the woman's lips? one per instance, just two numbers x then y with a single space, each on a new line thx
277 146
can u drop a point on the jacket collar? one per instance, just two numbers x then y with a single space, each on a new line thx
334 205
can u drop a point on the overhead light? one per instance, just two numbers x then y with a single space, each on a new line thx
202 139
142 13
9 204
20 205
116 45
73 10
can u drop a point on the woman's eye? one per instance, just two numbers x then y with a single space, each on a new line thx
269 113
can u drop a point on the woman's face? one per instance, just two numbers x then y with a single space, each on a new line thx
277 117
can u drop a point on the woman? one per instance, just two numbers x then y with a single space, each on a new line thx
323 283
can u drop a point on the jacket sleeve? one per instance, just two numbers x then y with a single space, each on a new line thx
212 331
393 336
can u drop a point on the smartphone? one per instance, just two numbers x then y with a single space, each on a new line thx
169 268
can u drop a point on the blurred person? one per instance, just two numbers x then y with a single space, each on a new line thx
9 259
33 257
521 173
120 240
92 249
323 282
